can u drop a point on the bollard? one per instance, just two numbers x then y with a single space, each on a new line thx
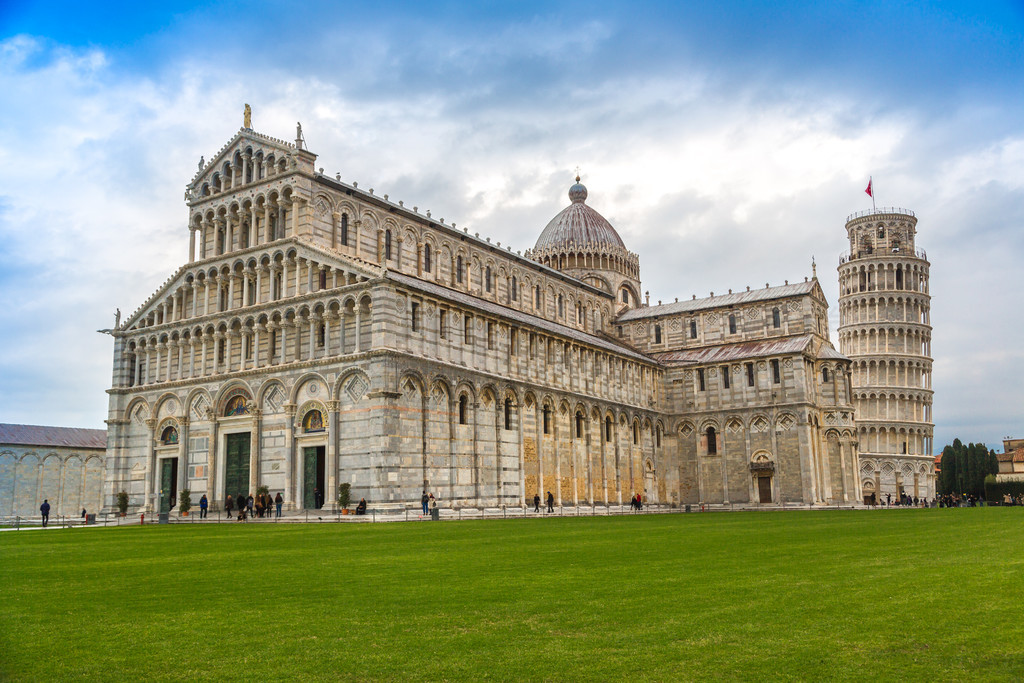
142 518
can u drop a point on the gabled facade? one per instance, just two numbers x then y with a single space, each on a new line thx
321 333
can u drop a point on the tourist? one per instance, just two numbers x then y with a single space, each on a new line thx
259 504
228 506
204 505
249 504
317 502
551 502
361 508
45 510
639 503
424 501
279 500
536 502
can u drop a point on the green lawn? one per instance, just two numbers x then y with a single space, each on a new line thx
884 595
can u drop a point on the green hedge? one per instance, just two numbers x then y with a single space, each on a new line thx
995 490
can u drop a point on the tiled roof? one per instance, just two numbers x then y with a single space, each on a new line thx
759 349
500 311
68 437
719 301
578 224
1018 455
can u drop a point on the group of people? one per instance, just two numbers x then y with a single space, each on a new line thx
262 505
550 501
428 502
636 503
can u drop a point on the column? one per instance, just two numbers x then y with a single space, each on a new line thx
331 493
284 279
191 243
183 456
268 234
245 288
293 485
227 349
298 274
359 322
312 337
231 291
259 284
139 352
195 299
254 449
256 346
150 487
191 357
181 355
202 361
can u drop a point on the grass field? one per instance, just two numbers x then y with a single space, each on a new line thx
884 595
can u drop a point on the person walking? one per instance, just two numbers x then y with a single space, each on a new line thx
279 501
551 502
204 505
229 505
44 509
249 504
536 502
425 501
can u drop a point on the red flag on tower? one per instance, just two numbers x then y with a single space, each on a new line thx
868 191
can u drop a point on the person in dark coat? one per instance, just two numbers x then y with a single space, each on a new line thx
279 501
551 502
250 503
229 505
361 508
425 501
44 509
536 502
204 505
317 499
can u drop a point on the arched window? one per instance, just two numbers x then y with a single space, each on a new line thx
426 258
608 429
579 425
547 419
463 402
561 306
824 374
712 441
238 405
514 290
313 421
693 329
657 334
636 433
458 269
387 245
344 229
625 296
487 279
776 320
536 296
169 436
508 413
732 323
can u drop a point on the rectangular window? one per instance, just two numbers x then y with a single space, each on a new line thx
725 377
467 331
619 328
344 229
750 374
415 316
321 335
700 378
657 334
323 279
513 342
490 334
776 375
442 324
693 329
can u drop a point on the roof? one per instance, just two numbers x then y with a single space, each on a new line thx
512 314
36 435
748 297
578 224
759 349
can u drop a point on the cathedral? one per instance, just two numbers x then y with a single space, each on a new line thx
322 334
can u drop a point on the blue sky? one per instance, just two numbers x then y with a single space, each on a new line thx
727 142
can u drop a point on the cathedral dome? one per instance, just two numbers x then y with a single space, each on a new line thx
578 225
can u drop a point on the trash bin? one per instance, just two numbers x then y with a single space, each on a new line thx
165 518
687 508
435 515
90 519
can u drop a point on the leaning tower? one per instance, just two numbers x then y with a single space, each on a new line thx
885 329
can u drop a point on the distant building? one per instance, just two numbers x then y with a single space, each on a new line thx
1011 461
61 464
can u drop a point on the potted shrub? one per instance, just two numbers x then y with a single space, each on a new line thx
184 502
344 497
122 503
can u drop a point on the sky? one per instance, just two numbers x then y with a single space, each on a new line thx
726 142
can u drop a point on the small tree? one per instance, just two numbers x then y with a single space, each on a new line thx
344 495
122 502
184 501
262 490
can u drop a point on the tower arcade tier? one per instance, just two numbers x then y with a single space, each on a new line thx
885 329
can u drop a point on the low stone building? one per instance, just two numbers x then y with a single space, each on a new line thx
322 333
1011 460
63 465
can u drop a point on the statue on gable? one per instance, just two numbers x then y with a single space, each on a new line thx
202 162
117 319
247 118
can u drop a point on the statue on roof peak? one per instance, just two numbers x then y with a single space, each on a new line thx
247 118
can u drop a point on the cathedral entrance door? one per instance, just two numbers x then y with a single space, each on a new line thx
168 483
313 479
764 489
236 465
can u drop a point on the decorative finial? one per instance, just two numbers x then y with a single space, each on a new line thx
298 136
814 268
577 174
247 118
